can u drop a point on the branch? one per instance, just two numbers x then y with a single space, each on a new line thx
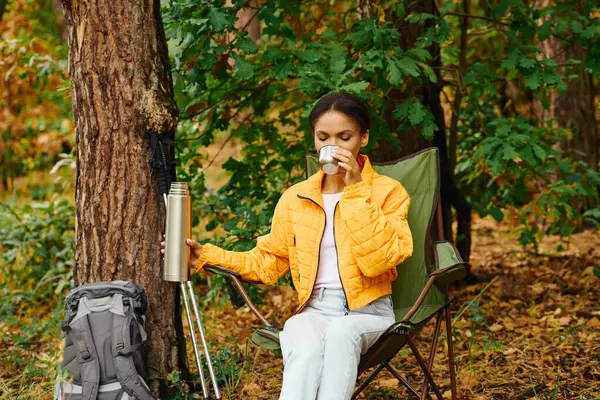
218 152
13 213
478 17
251 18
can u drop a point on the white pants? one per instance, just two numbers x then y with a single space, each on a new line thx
322 345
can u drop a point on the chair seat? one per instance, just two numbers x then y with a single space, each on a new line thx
388 345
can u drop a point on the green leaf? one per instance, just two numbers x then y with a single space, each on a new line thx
282 68
408 66
527 62
501 8
429 73
429 128
417 113
509 153
244 68
419 53
544 31
533 81
591 32
401 110
217 18
246 45
338 63
274 54
497 214
310 55
539 151
394 76
355 87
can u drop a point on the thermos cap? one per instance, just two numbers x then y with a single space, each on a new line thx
179 188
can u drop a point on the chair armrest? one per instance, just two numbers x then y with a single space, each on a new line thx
236 290
222 271
451 274
449 265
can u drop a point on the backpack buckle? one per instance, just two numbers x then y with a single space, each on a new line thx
120 346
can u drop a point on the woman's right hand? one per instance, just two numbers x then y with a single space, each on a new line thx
195 250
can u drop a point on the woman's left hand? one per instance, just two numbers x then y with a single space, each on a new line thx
349 168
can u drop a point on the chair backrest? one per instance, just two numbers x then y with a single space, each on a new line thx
419 174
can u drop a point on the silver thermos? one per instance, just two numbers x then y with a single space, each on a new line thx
179 228
177 269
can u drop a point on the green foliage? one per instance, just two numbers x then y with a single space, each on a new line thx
508 158
227 364
35 125
36 269
36 264
258 93
262 95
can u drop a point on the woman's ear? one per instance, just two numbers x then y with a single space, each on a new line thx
364 139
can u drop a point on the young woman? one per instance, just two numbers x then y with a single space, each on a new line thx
342 237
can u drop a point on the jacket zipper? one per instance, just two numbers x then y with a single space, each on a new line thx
319 256
346 309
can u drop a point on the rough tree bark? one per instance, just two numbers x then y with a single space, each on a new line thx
119 70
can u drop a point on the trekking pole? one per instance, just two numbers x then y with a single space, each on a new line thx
177 257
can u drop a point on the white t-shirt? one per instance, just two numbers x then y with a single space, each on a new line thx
328 275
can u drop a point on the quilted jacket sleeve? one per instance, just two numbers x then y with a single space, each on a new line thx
380 236
266 263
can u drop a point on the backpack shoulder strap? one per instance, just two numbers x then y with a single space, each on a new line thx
89 366
122 348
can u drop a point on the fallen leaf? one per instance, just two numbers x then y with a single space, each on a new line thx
277 300
251 388
589 271
593 323
388 383
468 379
496 328
509 351
564 321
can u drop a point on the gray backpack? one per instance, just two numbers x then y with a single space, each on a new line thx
105 343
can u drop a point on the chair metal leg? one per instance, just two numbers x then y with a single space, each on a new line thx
450 354
364 384
423 366
436 332
402 380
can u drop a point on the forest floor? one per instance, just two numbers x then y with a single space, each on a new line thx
528 329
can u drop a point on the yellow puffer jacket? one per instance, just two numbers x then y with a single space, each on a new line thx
370 229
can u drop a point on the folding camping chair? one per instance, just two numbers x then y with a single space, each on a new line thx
419 291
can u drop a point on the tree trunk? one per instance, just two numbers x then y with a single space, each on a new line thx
3 4
573 110
413 141
118 65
